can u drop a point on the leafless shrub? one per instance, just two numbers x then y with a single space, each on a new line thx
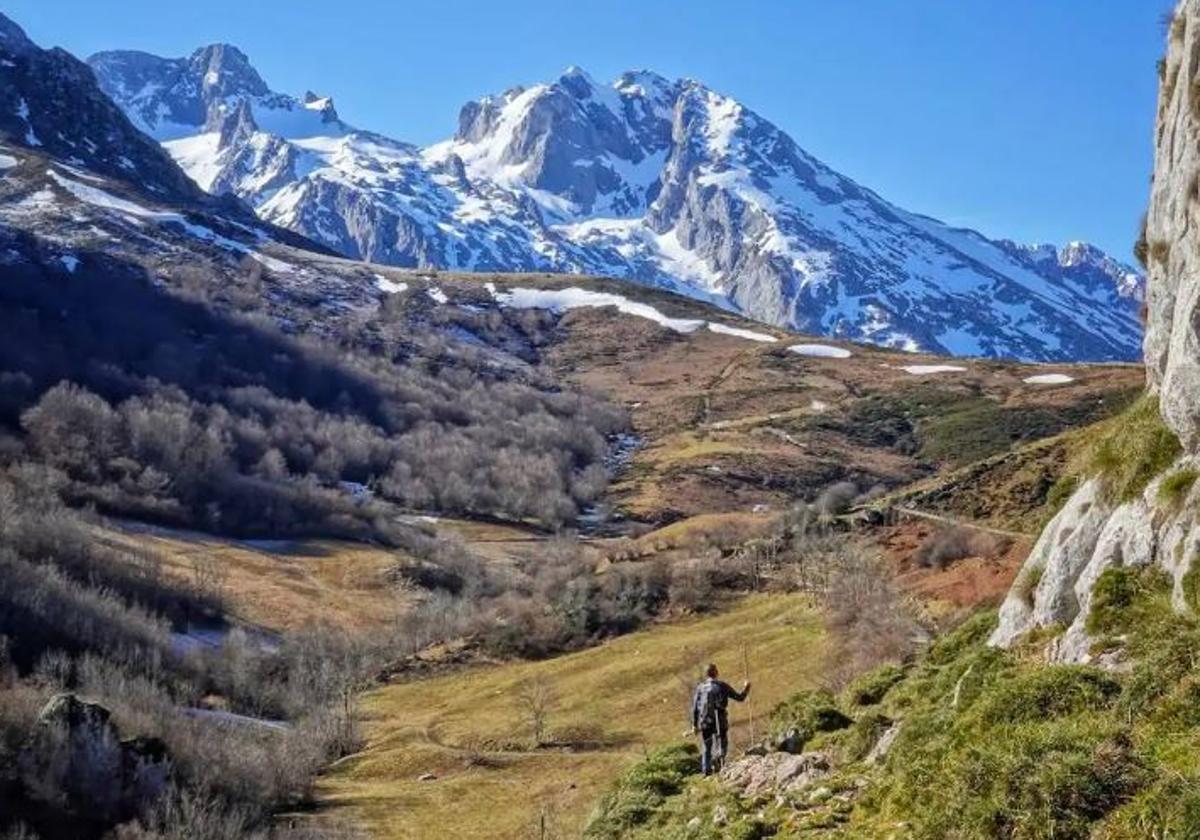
835 499
691 586
209 575
868 620
949 544
535 701
186 815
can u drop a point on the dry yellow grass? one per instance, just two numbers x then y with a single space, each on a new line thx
705 529
281 585
633 690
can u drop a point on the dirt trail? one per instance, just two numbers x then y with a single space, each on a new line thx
960 523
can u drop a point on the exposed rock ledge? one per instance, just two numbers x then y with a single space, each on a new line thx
1088 536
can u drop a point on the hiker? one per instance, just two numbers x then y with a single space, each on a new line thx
710 719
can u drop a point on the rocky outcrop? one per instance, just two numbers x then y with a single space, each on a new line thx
1172 346
50 102
775 772
1091 533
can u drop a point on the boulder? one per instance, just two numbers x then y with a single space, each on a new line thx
776 772
77 759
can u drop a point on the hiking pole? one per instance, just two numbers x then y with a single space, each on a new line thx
749 701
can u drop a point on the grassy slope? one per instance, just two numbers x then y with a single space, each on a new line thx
992 744
279 585
632 689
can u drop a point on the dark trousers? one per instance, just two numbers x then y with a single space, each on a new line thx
714 743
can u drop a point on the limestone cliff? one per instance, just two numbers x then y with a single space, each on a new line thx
1094 532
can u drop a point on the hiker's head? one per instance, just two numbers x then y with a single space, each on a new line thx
711 671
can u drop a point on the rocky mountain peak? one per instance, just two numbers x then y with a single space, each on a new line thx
223 71
236 126
170 98
665 182
12 37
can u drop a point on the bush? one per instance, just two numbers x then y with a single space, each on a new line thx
947 545
868 620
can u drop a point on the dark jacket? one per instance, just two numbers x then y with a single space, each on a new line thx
722 693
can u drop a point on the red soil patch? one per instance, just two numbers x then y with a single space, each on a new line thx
969 582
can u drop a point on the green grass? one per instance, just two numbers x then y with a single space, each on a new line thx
1026 585
641 791
870 688
1000 744
1191 585
1123 598
1132 449
804 715
1173 489
952 427
1059 493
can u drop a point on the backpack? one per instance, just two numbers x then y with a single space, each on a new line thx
708 703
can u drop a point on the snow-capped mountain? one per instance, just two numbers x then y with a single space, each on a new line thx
663 182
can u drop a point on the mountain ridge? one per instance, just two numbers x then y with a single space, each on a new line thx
667 183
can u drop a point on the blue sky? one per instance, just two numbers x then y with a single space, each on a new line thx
1029 119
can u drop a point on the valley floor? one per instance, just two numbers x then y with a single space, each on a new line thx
615 701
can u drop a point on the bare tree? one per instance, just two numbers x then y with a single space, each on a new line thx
209 575
536 700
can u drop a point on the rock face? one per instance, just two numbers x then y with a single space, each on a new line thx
1172 344
775 772
665 182
1092 534
50 102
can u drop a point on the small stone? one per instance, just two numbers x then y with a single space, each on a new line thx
426 777
720 816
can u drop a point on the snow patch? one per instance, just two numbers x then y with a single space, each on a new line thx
391 287
7 161
737 332
70 262
43 199
820 351
558 300
268 261
437 295
925 370
1048 379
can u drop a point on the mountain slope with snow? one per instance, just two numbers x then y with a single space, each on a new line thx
667 183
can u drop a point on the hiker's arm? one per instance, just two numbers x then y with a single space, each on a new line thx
696 709
740 695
